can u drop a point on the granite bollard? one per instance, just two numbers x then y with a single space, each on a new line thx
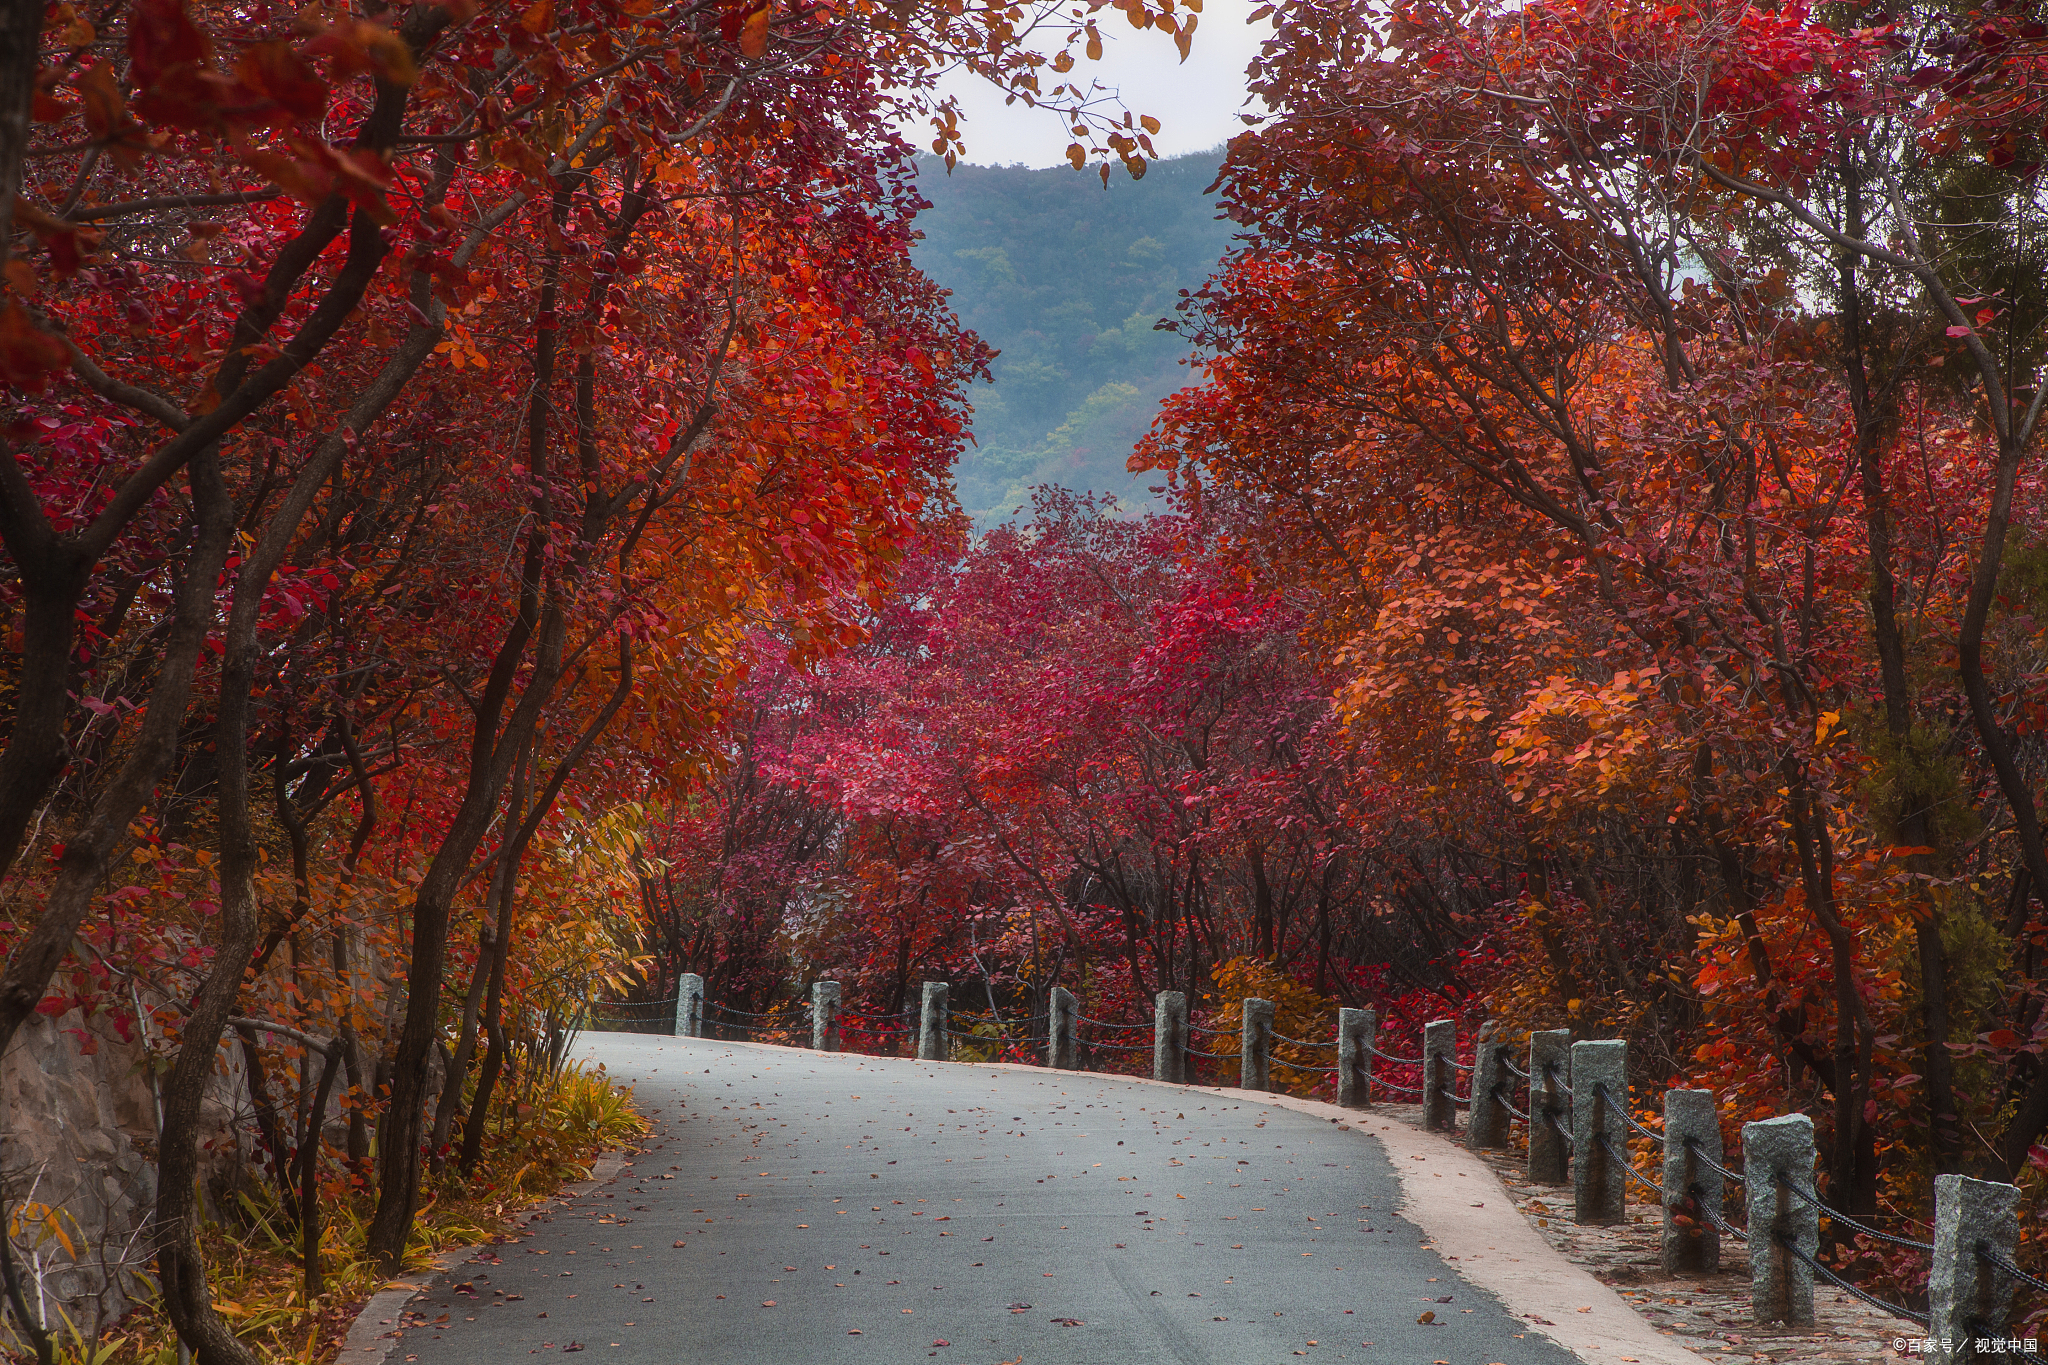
1059 1029
1440 1075
1599 1138
1550 1065
1355 1032
1170 1037
1780 1284
931 1023
1486 1122
690 1006
1692 1190
1967 1296
825 1016
1255 1062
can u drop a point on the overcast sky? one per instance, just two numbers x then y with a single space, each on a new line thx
1196 102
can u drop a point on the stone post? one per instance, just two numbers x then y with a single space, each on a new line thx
1599 1181
1255 1061
1356 1030
1550 1071
1059 1028
1170 1037
1969 1298
1780 1284
1440 1075
825 1016
1692 1129
690 1006
931 1023
1486 1123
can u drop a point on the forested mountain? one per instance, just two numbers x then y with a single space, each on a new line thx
1066 279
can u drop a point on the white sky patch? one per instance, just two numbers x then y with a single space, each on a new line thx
1197 102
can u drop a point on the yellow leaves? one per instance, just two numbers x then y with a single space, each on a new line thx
1826 728
47 1221
754 33
1078 155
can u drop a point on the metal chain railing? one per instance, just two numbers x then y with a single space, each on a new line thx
1721 1225
1981 1329
1693 1145
752 1014
1283 1038
1104 1023
1846 1287
1992 1258
989 1037
1600 1093
1808 1197
1550 1117
1500 1098
1628 1167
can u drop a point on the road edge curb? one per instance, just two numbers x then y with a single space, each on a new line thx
373 1336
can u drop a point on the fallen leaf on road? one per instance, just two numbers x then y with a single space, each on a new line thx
853 1331
573 1346
1587 1309
942 1342
1068 1322
681 1244
1430 1316
767 1303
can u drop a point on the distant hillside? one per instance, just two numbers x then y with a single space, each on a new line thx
1066 278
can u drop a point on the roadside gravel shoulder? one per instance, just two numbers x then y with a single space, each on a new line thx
1709 1312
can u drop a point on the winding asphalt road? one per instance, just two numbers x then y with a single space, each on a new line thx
797 1207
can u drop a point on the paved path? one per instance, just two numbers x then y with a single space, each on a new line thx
795 1207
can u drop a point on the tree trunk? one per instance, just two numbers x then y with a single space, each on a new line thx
496 905
181 1270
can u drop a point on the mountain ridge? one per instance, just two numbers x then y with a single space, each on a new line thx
1067 280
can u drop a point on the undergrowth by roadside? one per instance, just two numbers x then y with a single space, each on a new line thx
539 1141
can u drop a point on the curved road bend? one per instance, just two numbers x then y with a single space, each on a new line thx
797 1207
